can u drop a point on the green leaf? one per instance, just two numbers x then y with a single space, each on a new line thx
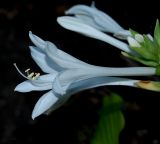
111 121
157 39
140 59
157 32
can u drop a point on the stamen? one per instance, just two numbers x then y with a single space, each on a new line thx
36 76
30 76
27 70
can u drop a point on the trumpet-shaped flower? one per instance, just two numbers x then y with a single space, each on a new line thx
90 15
66 75
90 21
77 25
94 17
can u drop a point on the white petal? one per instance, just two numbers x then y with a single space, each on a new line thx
28 86
63 59
100 81
122 34
48 77
42 61
132 42
62 99
89 21
37 41
43 104
43 82
72 75
100 18
77 25
61 54
59 88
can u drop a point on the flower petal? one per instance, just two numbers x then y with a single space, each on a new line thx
63 59
89 21
79 26
62 99
44 103
28 86
37 41
100 81
122 34
60 88
47 77
100 19
108 81
42 60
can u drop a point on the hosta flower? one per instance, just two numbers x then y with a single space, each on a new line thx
66 75
90 21
90 15
94 17
77 25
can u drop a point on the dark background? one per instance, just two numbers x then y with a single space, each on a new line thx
75 122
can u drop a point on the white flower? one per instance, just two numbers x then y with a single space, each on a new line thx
90 15
66 75
77 25
90 21
94 17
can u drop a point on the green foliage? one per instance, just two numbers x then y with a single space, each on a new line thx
148 53
157 32
111 121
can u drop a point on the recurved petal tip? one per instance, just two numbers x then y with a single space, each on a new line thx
43 104
37 41
24 87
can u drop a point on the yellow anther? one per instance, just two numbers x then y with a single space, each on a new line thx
27 71
36 76
30 75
